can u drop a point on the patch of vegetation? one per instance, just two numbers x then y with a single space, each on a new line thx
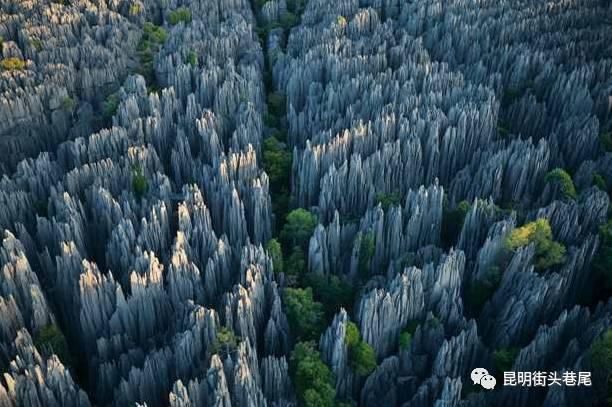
313 380
153 37
13 64
296 262
361 355
561 178
277 104
36 44
386 200
599 182
503 359
452 223
135 9
601 361
366 252
110 106
602 262
289 20
341 20
181 14
50 340
192 58
549 253
605 139
225 342
331 291
406 335
275 252
305 315
480 291
139 181
298 228
277 163
68 104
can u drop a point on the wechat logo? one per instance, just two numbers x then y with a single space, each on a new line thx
482 377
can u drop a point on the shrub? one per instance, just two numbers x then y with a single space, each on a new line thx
366 252
452 222
298 228
139 182
181 14
50 340
68 104
276 254
135 9
277 163
110 106
548 252
13 64
599 182
480 291
561 178
192 58
601 361
606 141
225 341
332 291
361 354
277 104
386 200
602 262
288 20
153 34
314 381
304 314
503 359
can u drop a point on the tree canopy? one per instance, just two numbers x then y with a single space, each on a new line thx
275 252
361 354
548 252
298 228
305 315
313 380
560 177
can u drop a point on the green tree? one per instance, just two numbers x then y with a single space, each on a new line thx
388 199
276 254
277 104
110 106
68 104
135 9
548 252
296 262
452 222
277 163
606 141
298 228
225 341
599 182
192 58
406 335
181 14
13 64
503 359
480 291
139 181
366 252
601 361
332 291
602 262
561 178
314 381
361 354
305 315
50 340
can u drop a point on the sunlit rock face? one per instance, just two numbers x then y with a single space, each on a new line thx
456 156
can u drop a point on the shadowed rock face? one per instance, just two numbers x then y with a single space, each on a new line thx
134 207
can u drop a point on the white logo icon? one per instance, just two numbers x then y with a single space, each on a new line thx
481 376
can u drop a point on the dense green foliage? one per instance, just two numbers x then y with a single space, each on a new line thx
313 380
135 9
13 64
275 252
361 354
305 315
405 340
139 181
152 39
50 340
110 106
225 342
332 291
480 291
388 200
68 104
298 228
192 58
277 163
602 262
366 252
548 252
181 14
599 182
503 359
296 262
452 222
561 178
606 141
601 361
